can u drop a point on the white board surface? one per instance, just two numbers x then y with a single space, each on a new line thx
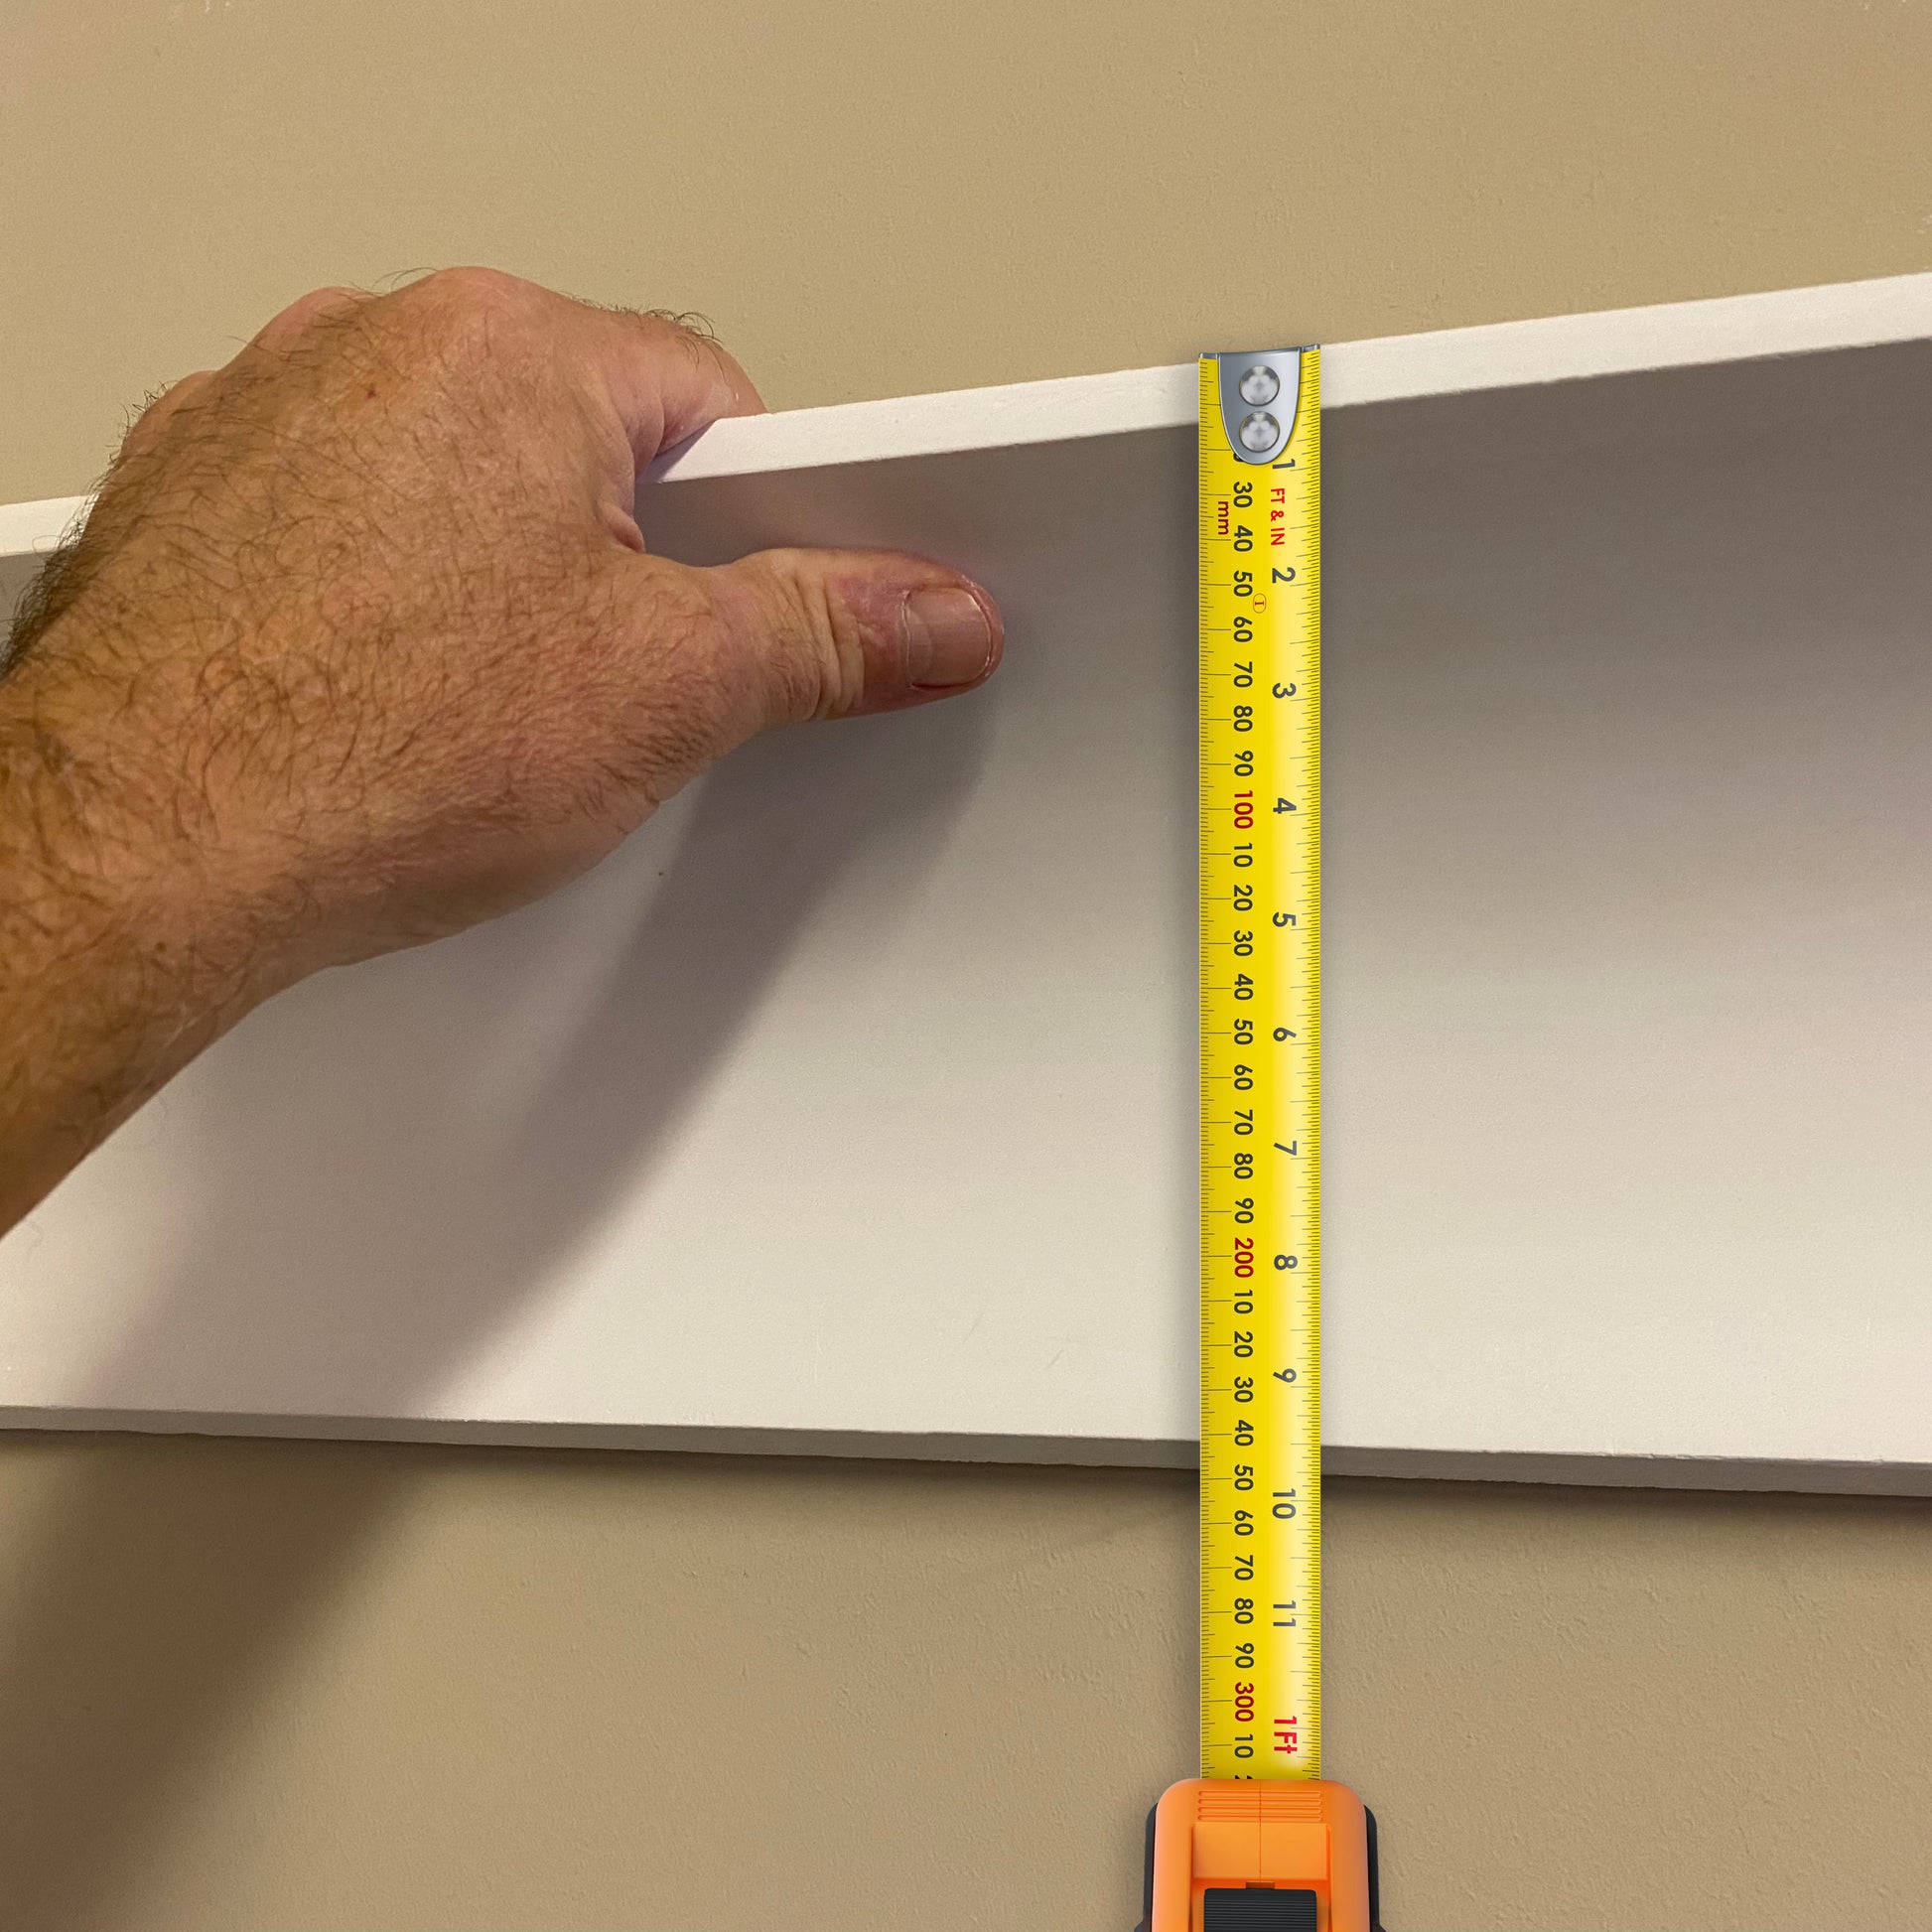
851 1104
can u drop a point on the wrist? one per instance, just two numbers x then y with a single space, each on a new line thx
121 955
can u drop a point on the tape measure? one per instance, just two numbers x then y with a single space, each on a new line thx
1261 1041
1261 1842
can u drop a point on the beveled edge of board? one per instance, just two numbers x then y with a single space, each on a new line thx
1385 368
1760 1475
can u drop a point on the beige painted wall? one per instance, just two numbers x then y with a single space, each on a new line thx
299 1687
392 1690
870 199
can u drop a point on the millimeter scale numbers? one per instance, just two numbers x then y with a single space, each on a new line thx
1260 1003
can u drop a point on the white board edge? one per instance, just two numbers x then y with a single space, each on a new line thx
1735 1474
33 529
1757 1476
1628 342
1385 368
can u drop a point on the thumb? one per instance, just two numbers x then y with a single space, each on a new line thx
843 633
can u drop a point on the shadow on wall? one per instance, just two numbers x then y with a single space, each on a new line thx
397 1253
146 1617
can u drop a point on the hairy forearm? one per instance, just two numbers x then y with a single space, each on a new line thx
115 965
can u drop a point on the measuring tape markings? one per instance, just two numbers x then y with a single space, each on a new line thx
1260 1005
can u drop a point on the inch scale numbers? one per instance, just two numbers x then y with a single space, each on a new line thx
1260 967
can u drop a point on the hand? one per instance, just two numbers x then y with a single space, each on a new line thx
361 645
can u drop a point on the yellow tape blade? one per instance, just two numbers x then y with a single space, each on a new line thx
1260 1003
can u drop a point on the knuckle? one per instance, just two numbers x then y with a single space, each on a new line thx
326 301
817 669
472 287
691 334
302 315
666 333
465 311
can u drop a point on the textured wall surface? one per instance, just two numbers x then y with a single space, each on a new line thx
373 1689
400 1690
871 198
